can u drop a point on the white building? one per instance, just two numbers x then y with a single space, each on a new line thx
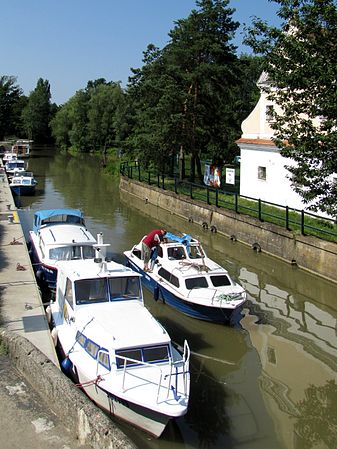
263 174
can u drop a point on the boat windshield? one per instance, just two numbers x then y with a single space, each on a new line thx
63 218
195 252
73 252
88 291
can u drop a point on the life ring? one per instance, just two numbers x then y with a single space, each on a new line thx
214 229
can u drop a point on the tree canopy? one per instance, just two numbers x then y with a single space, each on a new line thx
300 59
187 97
11 104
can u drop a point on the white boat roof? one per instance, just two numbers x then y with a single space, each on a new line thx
65 234
121 324
90 269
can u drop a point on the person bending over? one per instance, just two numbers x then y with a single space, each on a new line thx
152 239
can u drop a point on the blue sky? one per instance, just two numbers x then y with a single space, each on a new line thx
69 42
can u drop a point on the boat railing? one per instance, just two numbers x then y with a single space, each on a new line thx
174 365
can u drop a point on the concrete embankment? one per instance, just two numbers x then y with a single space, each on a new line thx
25 334
308 253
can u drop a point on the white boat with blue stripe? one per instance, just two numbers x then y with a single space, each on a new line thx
114 349
183 277
60 234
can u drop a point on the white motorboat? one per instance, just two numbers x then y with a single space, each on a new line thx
114 348
183 277
14 166
60 234
23 183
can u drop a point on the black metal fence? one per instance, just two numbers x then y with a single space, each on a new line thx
298 221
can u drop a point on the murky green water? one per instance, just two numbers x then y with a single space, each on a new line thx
267 382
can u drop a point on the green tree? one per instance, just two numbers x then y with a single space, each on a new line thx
10 102
300 59
183 96
37 113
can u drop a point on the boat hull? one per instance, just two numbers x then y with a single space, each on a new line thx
201 312
148 420
23 190
45 274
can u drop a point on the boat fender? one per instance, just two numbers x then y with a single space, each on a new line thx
54 336
213 229
190 220
256 247
205 225
48 314
67 365
233 238
39 275
156 293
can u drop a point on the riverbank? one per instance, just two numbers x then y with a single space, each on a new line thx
308 253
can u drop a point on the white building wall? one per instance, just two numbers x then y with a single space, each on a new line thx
276 188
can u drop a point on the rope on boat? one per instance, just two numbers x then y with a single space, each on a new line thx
188 265
96 381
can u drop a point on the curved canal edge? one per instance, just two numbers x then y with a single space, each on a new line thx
309 253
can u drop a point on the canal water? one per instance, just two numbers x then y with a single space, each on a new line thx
268 381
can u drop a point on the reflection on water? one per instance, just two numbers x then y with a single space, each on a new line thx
267 382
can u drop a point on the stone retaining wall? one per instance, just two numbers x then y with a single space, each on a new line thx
91 426
309 253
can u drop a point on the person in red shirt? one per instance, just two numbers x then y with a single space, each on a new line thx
152 239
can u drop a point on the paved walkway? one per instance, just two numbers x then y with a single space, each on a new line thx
21 308
25 421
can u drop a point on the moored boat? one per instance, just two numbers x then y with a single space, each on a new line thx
21 148
23 183
14 166
114 348
183 277
60 234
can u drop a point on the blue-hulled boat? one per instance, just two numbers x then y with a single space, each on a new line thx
183 277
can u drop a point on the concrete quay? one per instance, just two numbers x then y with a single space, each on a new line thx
39 406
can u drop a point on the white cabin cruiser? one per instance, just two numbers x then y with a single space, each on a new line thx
114 348
60 234
183 277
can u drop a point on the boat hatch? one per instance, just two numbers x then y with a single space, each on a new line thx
89 291
72 252
136 356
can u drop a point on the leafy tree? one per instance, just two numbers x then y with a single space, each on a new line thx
10 101
183 95
300 59
37 113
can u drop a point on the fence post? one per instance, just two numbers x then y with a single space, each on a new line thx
236 204
158 180
260 210
191 191
149 178
302 222
175 185
208 195
217 197
287 218
139 179
163 181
